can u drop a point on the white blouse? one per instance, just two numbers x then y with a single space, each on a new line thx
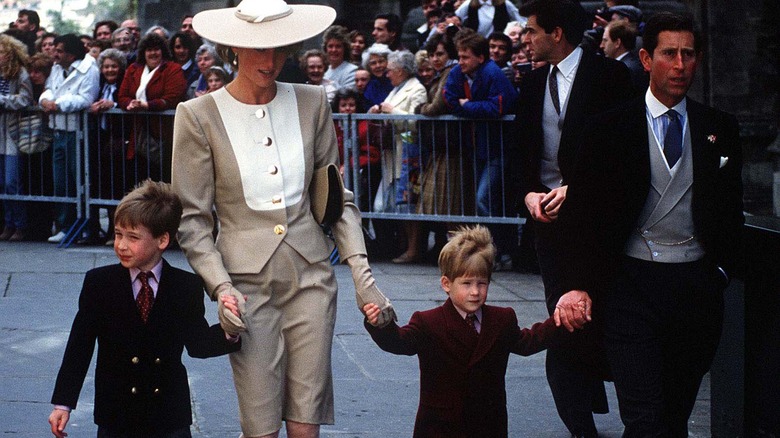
266 140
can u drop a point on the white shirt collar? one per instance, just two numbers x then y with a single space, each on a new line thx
621 56
657 109
568 65
156 270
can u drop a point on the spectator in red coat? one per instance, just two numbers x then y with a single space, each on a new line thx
153 83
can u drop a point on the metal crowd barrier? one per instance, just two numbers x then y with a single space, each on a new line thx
441 164
405 167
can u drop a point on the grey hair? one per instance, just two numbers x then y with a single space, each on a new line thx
119 31
211 50
115 55
156 27
404 60
376 49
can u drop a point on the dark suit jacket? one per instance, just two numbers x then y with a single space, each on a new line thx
140 382
462 390
639 77
608 190
599 85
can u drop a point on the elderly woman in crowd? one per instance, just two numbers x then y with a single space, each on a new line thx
375 61
335 44
256 145
152 83
182 47
401 163
206 57
107 152
15 93
313 65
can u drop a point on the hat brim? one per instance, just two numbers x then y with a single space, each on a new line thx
223 27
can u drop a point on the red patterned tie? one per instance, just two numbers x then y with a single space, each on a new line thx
145 296
472 320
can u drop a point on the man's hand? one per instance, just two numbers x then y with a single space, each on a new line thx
49 106
463 101
573 310
551 202
230 306
533 202
58 420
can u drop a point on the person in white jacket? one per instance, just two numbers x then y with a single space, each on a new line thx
71 87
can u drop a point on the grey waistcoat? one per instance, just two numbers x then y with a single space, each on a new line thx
665 231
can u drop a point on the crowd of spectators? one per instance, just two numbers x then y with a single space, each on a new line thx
403 166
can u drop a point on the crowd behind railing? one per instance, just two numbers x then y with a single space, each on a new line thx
107 102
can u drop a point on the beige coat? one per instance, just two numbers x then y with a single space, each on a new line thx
206 176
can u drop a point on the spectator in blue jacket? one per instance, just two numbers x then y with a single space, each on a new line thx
477 88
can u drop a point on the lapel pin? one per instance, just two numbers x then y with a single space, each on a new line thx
712 138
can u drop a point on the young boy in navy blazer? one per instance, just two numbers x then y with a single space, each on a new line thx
142 312
463 345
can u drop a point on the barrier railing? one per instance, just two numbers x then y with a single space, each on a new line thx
412 167
401 167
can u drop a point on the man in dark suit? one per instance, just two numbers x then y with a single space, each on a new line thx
619 42
141 387
549 130
654 212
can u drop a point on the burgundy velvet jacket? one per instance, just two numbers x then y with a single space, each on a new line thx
462 389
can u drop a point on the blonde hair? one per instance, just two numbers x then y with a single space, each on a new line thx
153 205
17 58
470 251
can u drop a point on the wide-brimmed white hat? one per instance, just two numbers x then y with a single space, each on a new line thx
263 24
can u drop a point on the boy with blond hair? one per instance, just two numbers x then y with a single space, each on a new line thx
463 345
142 312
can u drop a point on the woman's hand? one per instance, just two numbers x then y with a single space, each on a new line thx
137 105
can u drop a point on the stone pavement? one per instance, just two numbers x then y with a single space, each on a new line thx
376 393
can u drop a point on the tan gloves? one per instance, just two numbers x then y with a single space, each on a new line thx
230 323
366 290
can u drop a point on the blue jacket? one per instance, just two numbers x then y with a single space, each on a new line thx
490 95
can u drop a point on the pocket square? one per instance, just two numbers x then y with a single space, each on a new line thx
723 161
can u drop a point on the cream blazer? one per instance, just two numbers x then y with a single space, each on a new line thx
404 101
206 177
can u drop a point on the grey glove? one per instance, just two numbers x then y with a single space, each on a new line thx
366 290
230 323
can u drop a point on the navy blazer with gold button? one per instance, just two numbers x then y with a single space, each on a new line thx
140 382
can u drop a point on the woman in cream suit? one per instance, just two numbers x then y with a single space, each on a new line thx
408 94
248 152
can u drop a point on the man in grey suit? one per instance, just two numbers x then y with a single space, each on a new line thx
653 220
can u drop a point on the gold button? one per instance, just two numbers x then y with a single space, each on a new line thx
135 360
260 113
157 361
279 229
156 390
133 390
267 141
273 170
276 199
